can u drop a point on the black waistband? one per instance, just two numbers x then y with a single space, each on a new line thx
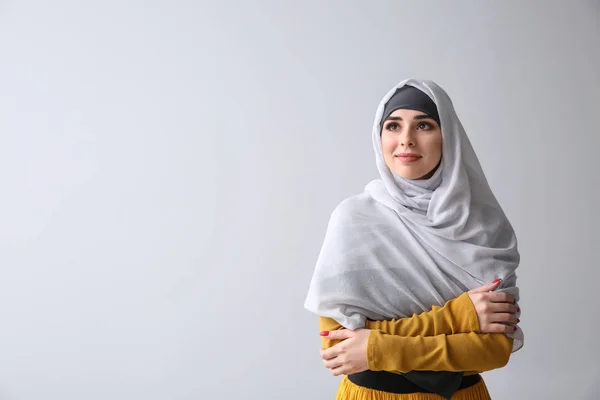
396 383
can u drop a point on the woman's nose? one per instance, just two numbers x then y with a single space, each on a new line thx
407 139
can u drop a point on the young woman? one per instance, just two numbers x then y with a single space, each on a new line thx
398 282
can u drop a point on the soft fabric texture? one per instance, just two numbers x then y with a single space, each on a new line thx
404 246
410 98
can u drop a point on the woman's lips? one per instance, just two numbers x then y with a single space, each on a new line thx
407 157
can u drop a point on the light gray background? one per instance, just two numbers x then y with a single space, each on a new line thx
168 168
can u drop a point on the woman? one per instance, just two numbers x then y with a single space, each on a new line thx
398 282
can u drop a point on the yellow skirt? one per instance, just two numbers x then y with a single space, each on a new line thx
350 391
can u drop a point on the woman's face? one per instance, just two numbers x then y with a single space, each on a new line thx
412 144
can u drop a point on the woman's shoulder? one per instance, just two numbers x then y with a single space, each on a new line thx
358 207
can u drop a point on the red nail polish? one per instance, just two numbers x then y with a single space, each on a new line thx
324 333
518 320
497 280
518 309
514 328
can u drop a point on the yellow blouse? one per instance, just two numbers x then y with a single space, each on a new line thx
446 338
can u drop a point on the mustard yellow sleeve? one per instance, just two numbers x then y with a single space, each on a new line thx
473 351
328 324
456 316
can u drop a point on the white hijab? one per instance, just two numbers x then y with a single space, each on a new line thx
403 245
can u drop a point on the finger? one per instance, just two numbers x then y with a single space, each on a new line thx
499 328
330 353
503 308
487 288
504 317
501 297
341 370
338 335
333 363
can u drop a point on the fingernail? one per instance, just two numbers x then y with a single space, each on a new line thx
514 302
518 309
497 280
324 333
518 320
514 328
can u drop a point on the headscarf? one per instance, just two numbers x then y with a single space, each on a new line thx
410 98
403 246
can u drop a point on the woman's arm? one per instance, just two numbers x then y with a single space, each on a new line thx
481 346
456 316
364 349
459 352
478 310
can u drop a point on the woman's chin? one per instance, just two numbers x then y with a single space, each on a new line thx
414 173
411 175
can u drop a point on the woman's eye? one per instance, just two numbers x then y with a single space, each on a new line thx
423 126
392 126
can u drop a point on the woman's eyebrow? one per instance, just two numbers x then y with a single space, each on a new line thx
393 119
421 116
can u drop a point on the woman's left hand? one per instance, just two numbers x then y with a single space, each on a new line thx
350 355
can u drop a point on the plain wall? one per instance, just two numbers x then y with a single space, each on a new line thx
168 169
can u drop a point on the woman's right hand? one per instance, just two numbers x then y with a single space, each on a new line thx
495 310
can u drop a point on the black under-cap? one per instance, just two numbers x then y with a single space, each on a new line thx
410 98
